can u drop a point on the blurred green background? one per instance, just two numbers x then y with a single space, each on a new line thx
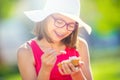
104 42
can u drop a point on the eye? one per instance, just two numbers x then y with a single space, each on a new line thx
59 23
71 25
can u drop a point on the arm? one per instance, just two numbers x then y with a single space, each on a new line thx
84 54
83 72
48 60
26 64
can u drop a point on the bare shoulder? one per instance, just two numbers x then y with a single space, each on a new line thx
82 47
24 52
25 59
23 49
82 43
85 57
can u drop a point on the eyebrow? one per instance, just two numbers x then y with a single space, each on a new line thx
58 17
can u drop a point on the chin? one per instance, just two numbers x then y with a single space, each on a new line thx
56 40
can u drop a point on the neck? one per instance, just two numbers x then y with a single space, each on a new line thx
52 45
58 46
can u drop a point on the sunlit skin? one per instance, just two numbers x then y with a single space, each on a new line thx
53 30
51 50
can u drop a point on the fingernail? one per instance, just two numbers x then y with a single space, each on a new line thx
81 62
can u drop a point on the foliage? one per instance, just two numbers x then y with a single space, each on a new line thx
102 69
6 7
107 69
109 11
103 16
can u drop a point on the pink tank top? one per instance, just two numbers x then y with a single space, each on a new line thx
55 75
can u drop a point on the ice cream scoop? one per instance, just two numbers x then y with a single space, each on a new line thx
74 60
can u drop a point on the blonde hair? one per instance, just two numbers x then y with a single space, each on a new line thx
40 32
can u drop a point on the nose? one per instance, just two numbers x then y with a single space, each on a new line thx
64 29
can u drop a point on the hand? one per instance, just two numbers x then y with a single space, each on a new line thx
48 59
68 68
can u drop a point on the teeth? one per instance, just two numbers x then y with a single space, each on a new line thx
59 34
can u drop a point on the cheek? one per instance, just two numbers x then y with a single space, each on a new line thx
68 33
51 30
51 27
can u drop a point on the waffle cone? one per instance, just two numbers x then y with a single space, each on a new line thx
75 62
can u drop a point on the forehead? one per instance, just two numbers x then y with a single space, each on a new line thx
57 15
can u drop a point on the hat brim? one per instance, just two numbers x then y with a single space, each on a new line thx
39 15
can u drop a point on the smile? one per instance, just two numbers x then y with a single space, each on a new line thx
59 35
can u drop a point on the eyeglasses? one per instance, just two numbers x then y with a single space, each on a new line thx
60 23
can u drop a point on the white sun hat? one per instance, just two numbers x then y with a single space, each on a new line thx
69 8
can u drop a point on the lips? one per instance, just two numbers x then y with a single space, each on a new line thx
59 35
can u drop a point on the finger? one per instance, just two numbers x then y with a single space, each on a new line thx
52 54
81 63
72 67
52 57
49 52
51 62
66 68
47 49
61 71
47 56
77 69
46 52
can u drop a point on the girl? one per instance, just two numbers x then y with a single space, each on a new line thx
55 42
